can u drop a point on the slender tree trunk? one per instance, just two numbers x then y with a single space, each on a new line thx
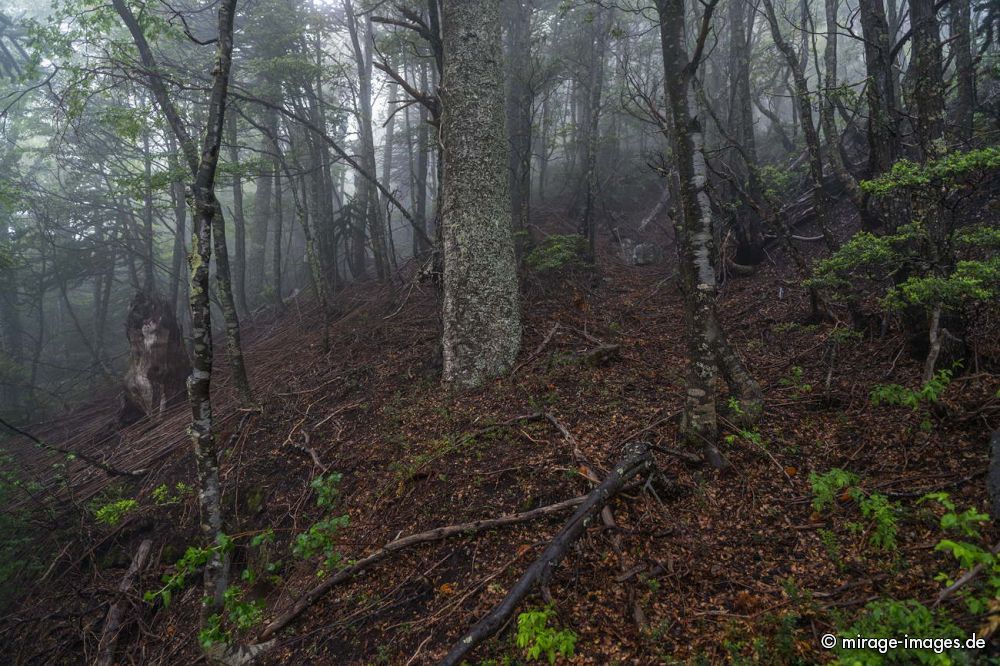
276 249
203 165
965 73
829 124
239 222
821 201
707 344
149 254
517 18
257 253
481 312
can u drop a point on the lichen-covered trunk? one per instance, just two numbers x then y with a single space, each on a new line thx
926 71
480 312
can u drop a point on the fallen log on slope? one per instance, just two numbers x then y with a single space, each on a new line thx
636 460
345 574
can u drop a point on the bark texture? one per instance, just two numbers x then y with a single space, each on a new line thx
481 312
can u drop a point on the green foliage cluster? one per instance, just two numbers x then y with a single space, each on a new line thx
538 639
895 394
113 512
875 507
17 557
888 618
940 257
193 559
319 539
558 251
918 400
162 496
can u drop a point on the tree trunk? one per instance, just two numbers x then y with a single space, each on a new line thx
239 222
822 202
965 72
828 121
481 313
928 82
517 19
203 166
693 227
883 119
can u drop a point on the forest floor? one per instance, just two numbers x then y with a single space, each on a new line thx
719 566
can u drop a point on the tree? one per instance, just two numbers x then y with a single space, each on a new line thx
708 349
480 312
206 217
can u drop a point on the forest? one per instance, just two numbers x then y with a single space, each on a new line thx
499 332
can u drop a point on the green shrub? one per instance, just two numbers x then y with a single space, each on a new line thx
558 252
537 638
887 618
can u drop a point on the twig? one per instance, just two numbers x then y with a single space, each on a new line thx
93 462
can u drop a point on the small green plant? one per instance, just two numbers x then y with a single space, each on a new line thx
327 488
162 496
212 632
242 614
794 381
827 486
319 539
880 512
831 546
537 638
193 559
894 394
113 512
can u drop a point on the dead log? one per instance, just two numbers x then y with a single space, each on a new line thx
345 574
636 460
113 621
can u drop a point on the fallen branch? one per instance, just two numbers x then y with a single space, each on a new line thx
310 597
636 460
113 621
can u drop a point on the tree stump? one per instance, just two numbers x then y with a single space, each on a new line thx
158 364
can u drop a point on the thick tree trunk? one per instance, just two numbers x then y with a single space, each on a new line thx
481 313
927 75
883 119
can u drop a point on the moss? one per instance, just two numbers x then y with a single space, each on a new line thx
558 252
